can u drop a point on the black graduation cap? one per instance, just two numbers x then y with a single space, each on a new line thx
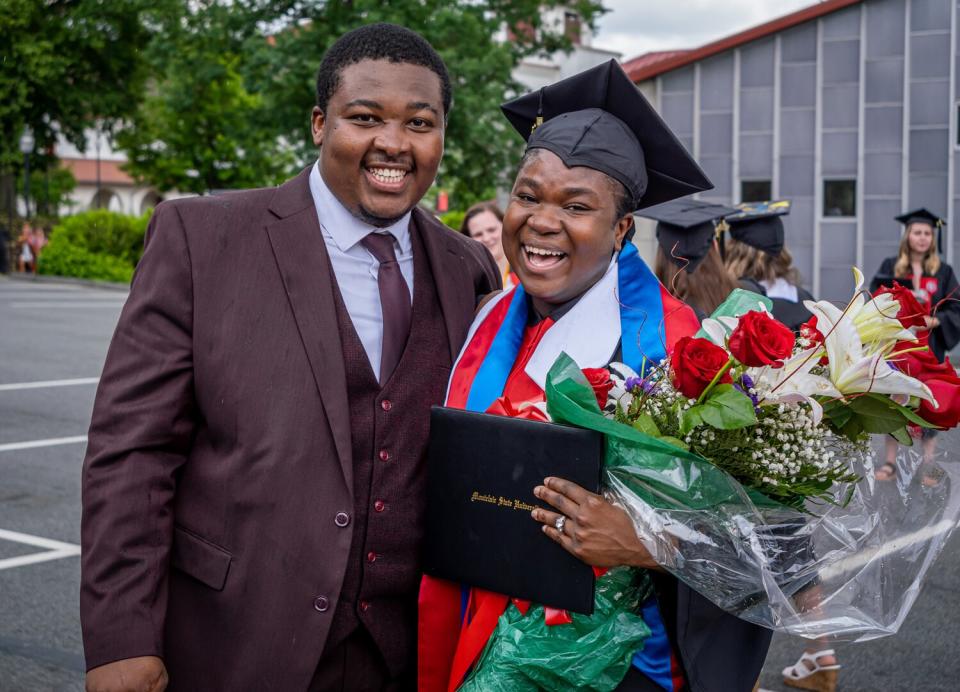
925 216
686 229
599 119
758 224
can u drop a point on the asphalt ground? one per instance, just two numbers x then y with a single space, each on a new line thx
57 336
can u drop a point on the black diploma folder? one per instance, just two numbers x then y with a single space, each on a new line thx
481 472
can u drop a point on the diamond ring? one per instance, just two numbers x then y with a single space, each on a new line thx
559 523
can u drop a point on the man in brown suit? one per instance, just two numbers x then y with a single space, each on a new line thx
253 486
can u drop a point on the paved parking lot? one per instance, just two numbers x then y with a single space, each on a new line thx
53 339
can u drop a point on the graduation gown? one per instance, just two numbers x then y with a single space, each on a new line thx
630 314
939 293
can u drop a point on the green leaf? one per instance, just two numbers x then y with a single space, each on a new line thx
645 424
690 419
838 412
675 442
876 414
911 415
728 409
902 435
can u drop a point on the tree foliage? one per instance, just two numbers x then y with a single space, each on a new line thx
234 86
68 64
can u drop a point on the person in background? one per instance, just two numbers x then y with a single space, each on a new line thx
37 241
26 260
484 223
756 252
688 260
918 267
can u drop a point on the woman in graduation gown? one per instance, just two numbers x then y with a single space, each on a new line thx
919 267
755 251
688 260
600 153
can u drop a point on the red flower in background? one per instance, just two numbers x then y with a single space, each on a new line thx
694 363
599 379
809 331
761 340
942 380
911 313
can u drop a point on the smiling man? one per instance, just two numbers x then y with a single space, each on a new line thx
253 486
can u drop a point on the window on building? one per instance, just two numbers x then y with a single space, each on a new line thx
754 190
839 197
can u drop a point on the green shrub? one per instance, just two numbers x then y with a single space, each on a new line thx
453 219
96 244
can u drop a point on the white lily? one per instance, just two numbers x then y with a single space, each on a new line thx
875 320
853 368
794 382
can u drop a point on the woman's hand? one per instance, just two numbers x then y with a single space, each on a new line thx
595 531
931 322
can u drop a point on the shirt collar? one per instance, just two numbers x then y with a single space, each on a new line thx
345 229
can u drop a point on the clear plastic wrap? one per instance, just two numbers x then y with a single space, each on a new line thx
849 571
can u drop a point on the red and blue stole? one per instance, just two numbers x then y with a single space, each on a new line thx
628 305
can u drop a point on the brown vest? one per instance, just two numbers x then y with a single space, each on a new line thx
389 427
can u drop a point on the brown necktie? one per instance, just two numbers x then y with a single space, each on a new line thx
394 302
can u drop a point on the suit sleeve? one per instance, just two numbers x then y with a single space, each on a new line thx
488 279
140 435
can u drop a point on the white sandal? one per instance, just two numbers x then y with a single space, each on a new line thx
808 674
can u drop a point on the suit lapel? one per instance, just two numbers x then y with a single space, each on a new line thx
451 276
304 265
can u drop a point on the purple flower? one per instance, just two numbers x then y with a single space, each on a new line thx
744 386
643 384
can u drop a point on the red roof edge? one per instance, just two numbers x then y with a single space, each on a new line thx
646 70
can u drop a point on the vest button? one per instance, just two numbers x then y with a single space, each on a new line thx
364 606
379 506
371 557
386 404
342 519
384 455
321 604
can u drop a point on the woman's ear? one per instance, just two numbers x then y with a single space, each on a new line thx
621 229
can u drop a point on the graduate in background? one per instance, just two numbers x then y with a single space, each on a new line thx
688 258
755 251
918 266
484 223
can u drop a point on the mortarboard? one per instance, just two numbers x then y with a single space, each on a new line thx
599 119
925 216
758 225
686 229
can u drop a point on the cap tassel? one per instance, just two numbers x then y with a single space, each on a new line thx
539 121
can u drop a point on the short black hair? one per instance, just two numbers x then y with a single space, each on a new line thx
380 41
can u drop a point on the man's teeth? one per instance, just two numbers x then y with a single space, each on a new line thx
387 175
541 251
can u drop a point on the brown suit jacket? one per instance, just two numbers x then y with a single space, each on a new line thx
219 451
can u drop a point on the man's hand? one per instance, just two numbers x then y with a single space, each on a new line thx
141 674
595 531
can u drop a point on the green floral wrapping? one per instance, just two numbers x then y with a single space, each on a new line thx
591 653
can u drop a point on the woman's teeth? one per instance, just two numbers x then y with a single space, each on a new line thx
540 258
387 175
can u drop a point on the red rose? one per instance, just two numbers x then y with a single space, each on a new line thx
942 380
599 379
911 313
694 363
761 340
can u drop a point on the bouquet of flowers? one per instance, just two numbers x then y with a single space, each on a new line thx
745 460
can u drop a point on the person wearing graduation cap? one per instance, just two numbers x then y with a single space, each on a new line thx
919 267
596 152
688 260
755 251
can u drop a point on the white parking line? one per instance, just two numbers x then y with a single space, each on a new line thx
55 549
67 304
48 383
49 442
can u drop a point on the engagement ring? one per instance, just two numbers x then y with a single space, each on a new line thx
559 523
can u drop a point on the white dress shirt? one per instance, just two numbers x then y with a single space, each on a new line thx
353 265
